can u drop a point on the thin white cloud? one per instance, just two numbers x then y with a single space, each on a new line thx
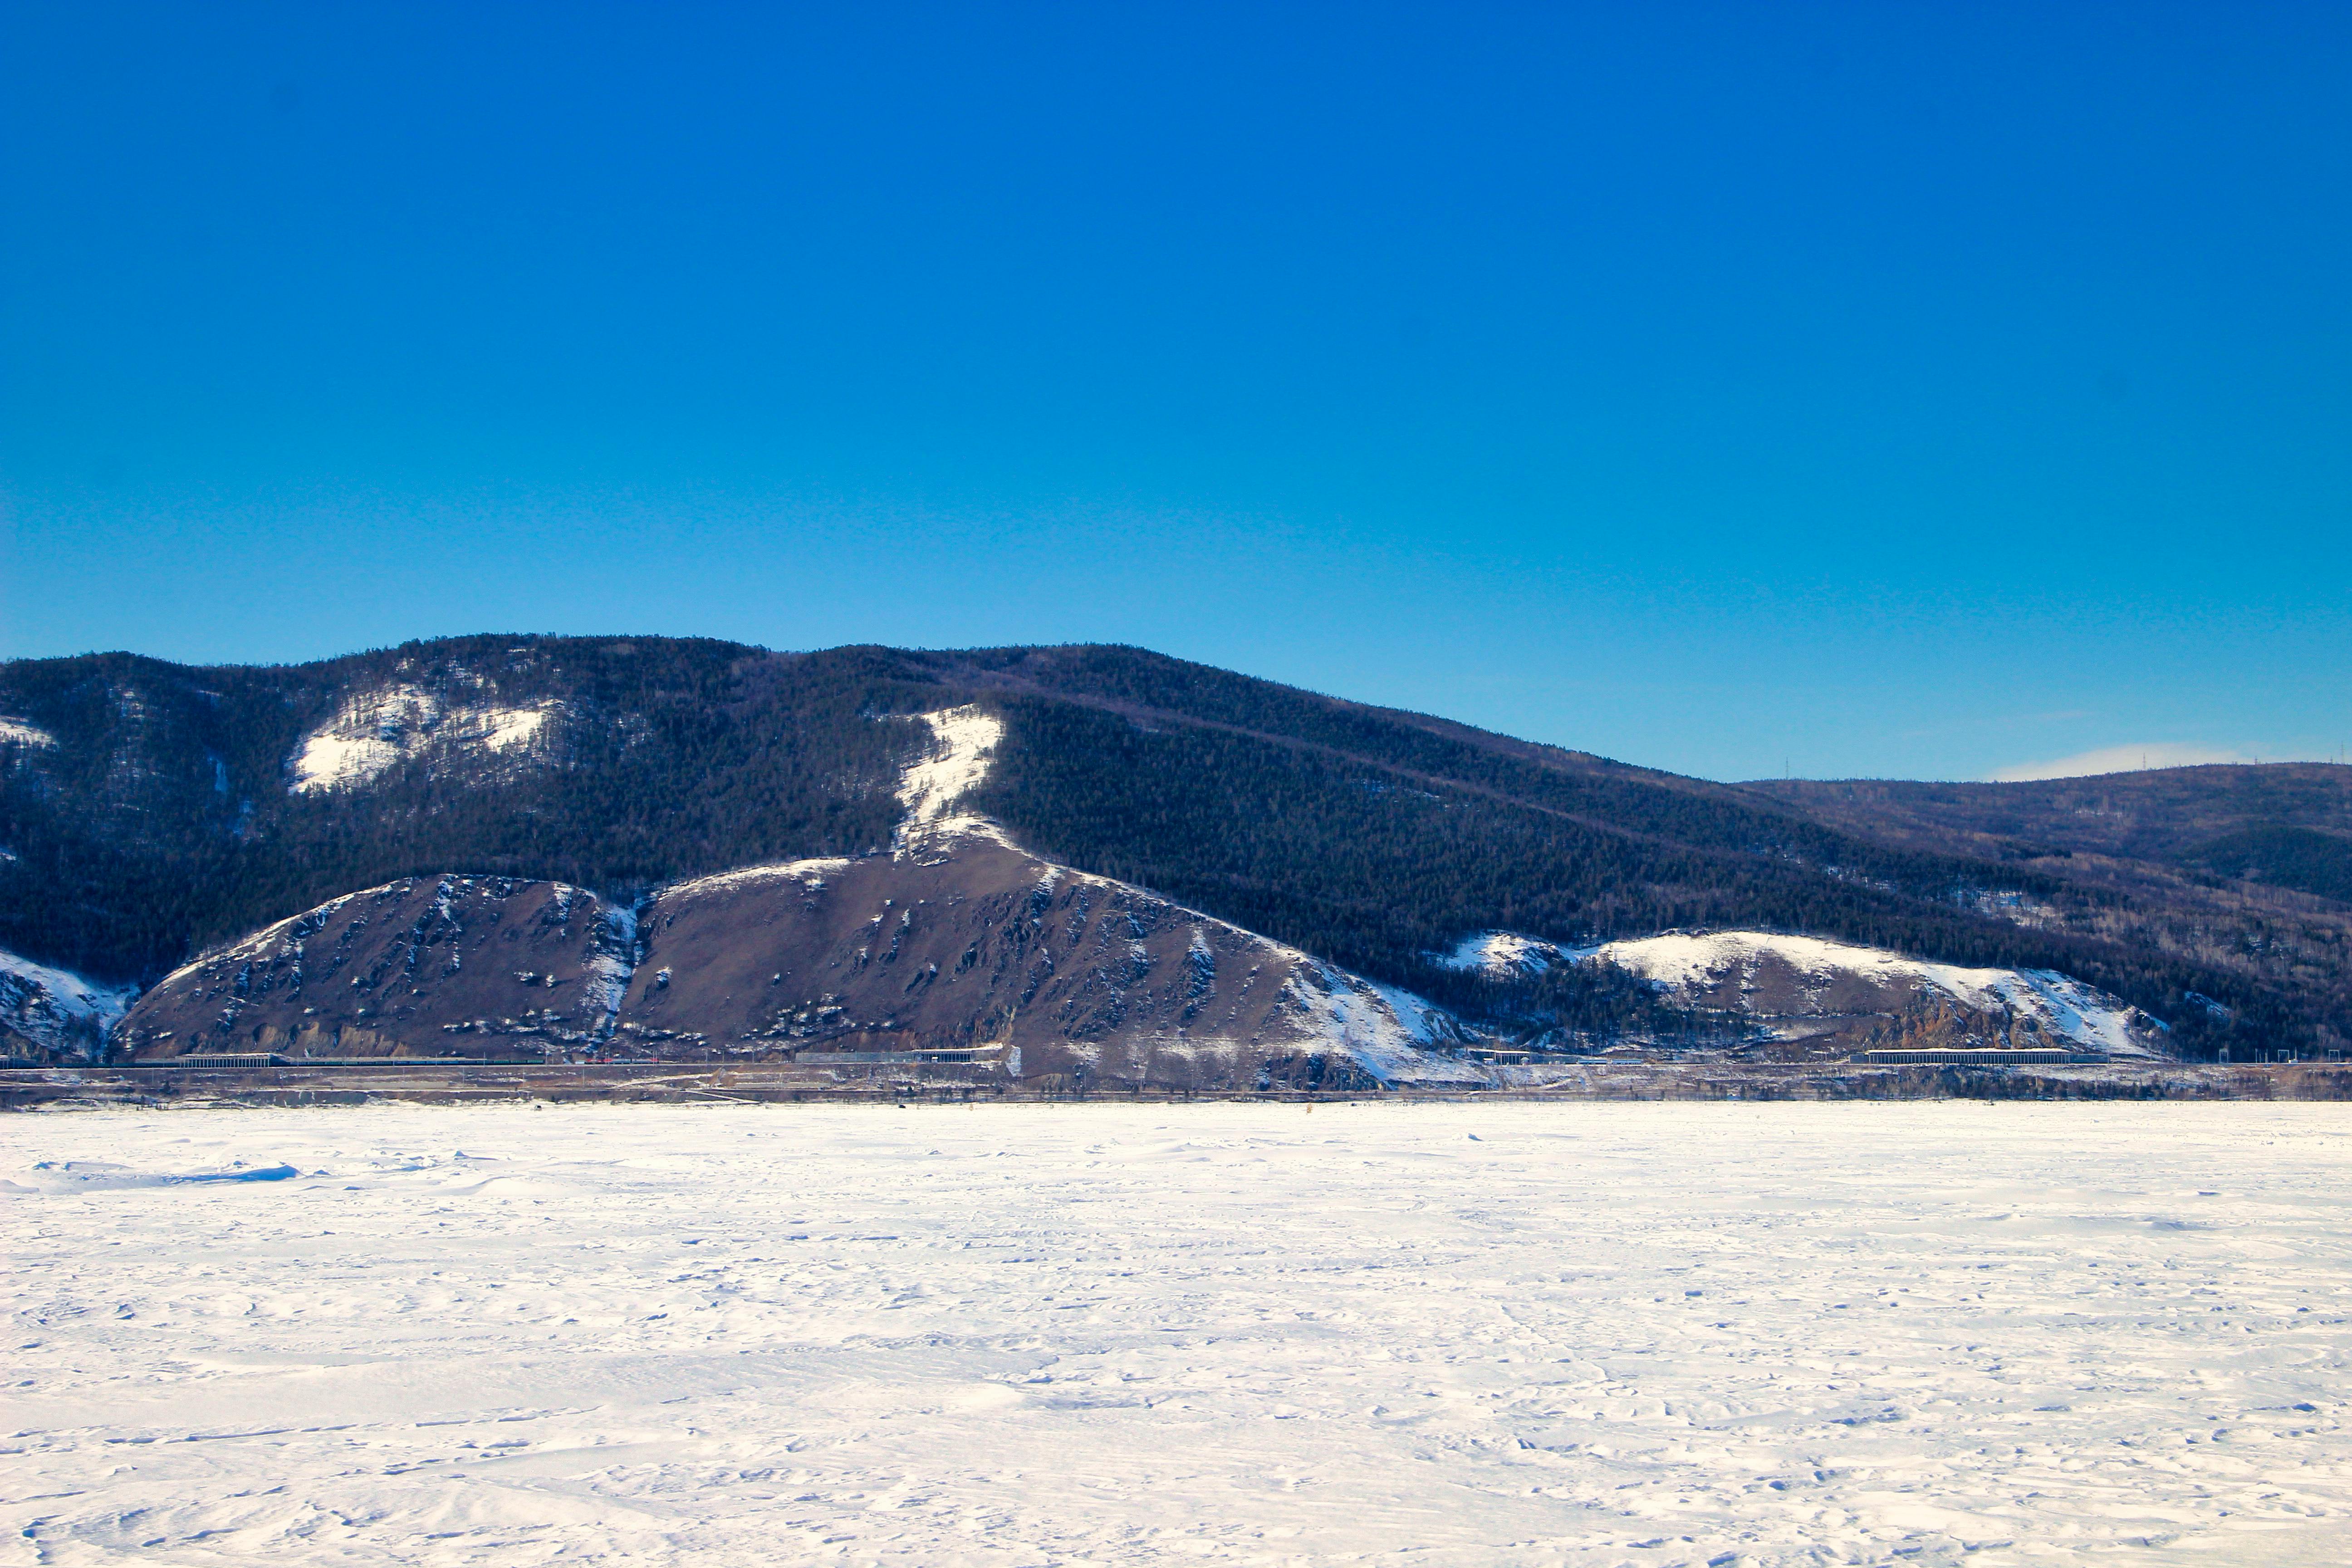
2121 759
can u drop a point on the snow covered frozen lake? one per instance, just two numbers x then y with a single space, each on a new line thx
1063 1335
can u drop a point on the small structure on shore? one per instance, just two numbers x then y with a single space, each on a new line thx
1977 1055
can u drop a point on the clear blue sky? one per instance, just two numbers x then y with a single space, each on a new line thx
1879 389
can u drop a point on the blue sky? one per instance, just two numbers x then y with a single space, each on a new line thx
1921 391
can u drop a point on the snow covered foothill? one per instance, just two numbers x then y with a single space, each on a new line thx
51 1012
376 730
1727 963
1457 1335
2064 1007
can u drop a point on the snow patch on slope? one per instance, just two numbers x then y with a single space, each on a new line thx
504 729
810 874
963 740
18 731
56 1010
1393 1034
1503 955
374 731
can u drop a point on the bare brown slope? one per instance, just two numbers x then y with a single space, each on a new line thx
423 967
963 945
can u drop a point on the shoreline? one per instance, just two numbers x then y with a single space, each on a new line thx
392 1081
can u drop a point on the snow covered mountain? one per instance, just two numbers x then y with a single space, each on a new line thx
956 943
150 812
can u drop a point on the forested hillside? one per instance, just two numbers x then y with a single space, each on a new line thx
148 809
162 813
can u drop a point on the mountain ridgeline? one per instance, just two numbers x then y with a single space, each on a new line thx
150 811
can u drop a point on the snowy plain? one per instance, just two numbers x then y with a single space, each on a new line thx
1038 1334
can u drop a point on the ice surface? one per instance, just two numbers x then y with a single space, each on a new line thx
106 1175
1927 1333
615 960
